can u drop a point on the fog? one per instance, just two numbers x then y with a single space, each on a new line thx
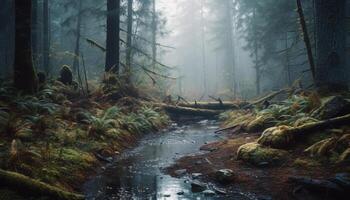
201 55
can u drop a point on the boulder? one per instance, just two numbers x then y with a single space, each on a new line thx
180 172
209 193
331 107
224 176
197 186
66 75
255 154
277 137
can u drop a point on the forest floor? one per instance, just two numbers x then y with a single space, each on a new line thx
60 137
275 164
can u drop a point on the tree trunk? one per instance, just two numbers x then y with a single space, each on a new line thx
35 31
77 41
46 42
112 42
306 37
154 34
24 74
205 85
331 72
231 44
129 41
257 67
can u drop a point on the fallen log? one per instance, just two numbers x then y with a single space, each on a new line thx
284 136
211 105
31 187
180 110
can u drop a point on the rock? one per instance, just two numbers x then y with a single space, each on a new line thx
318 186
331 107
255 153
219 191
209 193
343 180
224 176
180 193
277 137
196 175
166 195
180 172
260 123
197 186
66 75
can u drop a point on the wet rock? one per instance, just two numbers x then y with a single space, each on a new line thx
199 162
318 186
224 176
260 123
196 175
331 107
209 193
180 193
255 153
219 191
343 180
277 137
180 172
197 186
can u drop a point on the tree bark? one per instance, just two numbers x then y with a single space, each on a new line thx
24 74
306 37
77 41
129 41
154 34
46 40
112 42
35 30
331 72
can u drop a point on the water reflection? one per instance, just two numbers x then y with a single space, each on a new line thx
137 173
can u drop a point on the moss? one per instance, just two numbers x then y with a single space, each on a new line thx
345 157
256 154
306 163
35 187
277 137
260 123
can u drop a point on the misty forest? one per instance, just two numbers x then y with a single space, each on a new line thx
174 99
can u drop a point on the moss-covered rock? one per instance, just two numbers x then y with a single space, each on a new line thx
331 107
277 137
260 123
257 154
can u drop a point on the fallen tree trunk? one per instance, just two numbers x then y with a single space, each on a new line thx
180 110
30 187
284 136
211 105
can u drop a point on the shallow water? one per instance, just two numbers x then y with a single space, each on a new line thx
137 174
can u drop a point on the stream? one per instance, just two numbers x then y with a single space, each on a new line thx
137 173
